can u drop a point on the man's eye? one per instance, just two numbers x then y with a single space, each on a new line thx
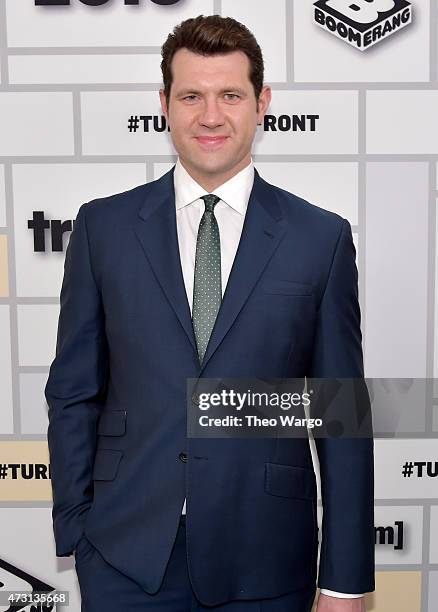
231 96
190 97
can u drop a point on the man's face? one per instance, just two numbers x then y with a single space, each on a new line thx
212 114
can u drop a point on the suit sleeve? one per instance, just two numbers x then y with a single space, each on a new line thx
75 390
346 464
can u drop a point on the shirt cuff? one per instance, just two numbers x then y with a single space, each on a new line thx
343 595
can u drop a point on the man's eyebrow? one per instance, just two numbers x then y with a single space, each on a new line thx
187 91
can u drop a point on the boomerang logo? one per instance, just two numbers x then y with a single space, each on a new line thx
14 579
362 23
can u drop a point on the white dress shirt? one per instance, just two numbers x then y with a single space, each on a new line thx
230 214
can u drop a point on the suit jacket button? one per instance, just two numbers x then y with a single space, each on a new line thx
183 457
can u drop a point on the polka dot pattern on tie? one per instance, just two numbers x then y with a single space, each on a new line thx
207 287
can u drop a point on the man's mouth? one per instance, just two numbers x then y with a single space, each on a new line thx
211 141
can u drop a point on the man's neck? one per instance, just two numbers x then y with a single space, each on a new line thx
212 182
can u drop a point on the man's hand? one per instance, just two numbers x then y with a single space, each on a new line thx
327 603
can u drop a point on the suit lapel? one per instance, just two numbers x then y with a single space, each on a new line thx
262 232
157 232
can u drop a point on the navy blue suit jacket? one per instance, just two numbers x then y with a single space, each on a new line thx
117 400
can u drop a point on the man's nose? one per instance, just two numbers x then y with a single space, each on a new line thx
211 114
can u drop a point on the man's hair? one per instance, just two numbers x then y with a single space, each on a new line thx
212 35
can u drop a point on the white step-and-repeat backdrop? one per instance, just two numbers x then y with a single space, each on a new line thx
352 127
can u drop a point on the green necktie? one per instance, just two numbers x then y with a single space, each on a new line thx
207 288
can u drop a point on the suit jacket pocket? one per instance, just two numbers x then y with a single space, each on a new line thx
286 287
290 481
112 423
106 463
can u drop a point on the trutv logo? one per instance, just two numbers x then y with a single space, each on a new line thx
362 23
99 2
39 224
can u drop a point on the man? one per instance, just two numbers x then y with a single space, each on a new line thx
206 272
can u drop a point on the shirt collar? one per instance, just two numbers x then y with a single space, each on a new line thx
235 192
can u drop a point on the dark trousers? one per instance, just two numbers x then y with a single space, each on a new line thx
105 588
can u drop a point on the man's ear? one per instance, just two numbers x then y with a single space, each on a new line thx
164 104
263 103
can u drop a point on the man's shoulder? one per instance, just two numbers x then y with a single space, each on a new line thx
121 203
297 208
124 204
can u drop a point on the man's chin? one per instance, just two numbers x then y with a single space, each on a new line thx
211 167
